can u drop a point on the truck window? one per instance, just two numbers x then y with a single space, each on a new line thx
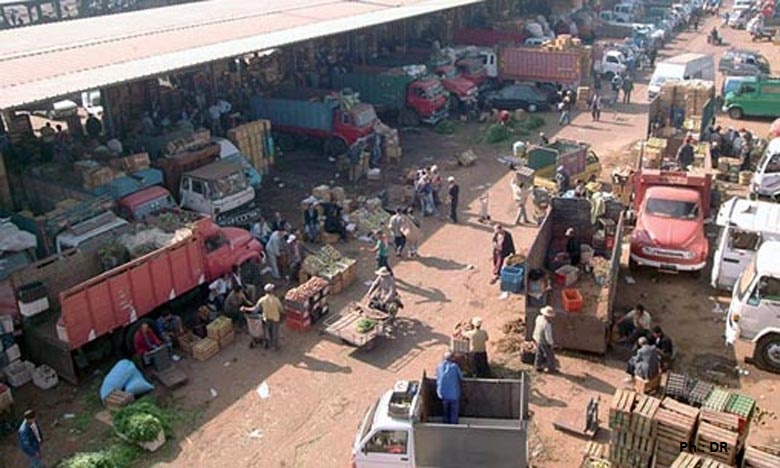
769 288
748 89
742 240
388 442
198 187
774 164
214 242
345 118
770 89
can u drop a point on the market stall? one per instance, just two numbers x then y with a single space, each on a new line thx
328 263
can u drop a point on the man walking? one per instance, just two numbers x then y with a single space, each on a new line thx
30 439
454 194
448 377
595 107
565 109
478 339
271 308
628 86
395 224
520 193
545 356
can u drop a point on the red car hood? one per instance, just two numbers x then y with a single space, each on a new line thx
669 232
459 86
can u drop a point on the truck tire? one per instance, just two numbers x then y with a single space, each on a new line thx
286 142
633 266
408 118
767 353
735 113
335 146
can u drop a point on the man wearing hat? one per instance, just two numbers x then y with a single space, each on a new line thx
271 308
448 377
30 439
383 291
454 194
478 339
545 356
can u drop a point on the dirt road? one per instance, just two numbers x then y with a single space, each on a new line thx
319 389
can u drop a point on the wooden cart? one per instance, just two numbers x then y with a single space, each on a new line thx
344 325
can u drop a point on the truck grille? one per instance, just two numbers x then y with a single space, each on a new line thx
679 254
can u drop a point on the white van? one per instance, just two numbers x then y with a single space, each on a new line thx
766 179
744 224
681 67
754 313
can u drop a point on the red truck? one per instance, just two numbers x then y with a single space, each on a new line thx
534 64
670 207
111 304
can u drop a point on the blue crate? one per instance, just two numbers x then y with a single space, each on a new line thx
513 278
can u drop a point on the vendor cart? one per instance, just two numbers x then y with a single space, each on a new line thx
345 325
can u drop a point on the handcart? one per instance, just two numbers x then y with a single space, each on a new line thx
256 328
345 325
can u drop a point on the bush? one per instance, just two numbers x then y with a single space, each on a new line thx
496 133
533 123
89 460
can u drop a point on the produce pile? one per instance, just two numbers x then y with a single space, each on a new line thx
514 336
365 325
307 290
141 421
369 221
602 270
327 263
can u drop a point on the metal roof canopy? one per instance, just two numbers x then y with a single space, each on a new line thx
132 46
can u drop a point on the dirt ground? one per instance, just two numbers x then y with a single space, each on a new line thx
320 388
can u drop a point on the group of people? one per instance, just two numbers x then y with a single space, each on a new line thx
429 190
637 332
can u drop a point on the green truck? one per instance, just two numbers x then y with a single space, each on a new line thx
759 97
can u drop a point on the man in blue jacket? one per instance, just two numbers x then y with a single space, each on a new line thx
30 439
448 377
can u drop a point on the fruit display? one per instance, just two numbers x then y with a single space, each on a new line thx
370 220
307 290
329 264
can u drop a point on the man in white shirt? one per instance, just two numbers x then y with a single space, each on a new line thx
545 356
215 117
520 193
273 248
218 289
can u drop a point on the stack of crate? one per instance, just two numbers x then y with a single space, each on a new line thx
631 418
761 457
675 425
252 139
221 330
595 455
583 98
699 393
306 304
205 349
689 460
717 400
391 143
718 428
678 386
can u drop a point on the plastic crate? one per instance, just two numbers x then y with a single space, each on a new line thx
567 275
6 324
572 300
45 377
296 324
512 278
17 374
30 309
13 353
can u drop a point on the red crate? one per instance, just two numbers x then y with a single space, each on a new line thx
297 324
572 300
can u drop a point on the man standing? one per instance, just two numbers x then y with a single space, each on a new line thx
545 356
628 86
395 224
685 155
478 339
381 250
311 223
448 377
565 109
273 249
436 184
503 246
454 193
271 308
595 107
30 439
520 193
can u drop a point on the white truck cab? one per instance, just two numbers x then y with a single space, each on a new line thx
744 224
216 189
754 313
766 179
612 63
92 233
403 428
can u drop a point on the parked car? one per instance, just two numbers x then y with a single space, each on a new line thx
738 19
518 97
743 62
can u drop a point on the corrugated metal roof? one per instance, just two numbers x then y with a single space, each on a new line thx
47 61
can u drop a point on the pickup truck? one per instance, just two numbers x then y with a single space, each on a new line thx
670 207
317 114
577 159
409 92
403 427
588 329
97 311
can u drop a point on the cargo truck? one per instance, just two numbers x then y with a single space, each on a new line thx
404 428
317 114
589 328
409 93
576 158
97 313
570 67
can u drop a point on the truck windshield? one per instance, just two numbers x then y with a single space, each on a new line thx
434 91
365 117
231 184
746 279
672 208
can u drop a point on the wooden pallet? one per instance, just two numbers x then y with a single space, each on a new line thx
643 416
686 460
620 409
726 421
761 457
596 450
710 434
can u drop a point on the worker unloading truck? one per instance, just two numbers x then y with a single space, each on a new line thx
405 426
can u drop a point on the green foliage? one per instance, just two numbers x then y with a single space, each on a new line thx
496 133
533 122
445 127
142 421
89 460
365 325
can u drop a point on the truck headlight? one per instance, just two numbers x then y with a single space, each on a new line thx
689 255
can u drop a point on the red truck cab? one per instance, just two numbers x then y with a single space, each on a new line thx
473 70
225 247
426 97
149 201
355 124
670 211
464 89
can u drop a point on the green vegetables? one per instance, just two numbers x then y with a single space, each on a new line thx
142 421
90 460
365 325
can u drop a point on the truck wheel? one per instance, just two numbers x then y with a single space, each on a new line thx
767 353
335 147
286 142
735 113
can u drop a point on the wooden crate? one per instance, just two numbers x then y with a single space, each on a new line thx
225 340
643 417
186 341
219 328
620 409
205 349
711 434
117 399
761 457
459 345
